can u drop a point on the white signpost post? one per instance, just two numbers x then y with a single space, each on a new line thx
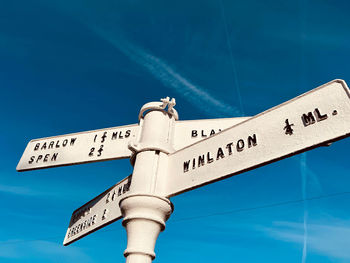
171 157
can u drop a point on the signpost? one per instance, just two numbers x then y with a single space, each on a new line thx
171 157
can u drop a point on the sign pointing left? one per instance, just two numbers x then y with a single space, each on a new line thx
97 213
77 148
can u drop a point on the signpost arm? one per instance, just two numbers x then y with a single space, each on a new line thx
145 210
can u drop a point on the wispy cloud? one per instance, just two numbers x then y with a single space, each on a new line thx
163 71
170 77
17 190
42 192
41 250
330 239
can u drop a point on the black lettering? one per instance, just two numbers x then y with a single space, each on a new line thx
51 145
108 197
125 188
127 133
114 135
212 132
319 116
194 133
203 135
288 127
308 119
229 147
104 216
95 138
36 146
43 147
120 191
64 143
54 157
252 141
129 182
57 144
194 163
120 135
100 150
91 153
201 160
186 166
72 141
31 160
240 145
209 159
104 137
39 158
220 154
46 157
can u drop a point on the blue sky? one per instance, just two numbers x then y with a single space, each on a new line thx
70 66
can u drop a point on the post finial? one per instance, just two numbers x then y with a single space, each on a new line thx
165 102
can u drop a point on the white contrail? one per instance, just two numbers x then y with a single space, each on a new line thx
229 46
171 78
303 172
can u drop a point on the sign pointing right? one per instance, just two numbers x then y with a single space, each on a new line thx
303 123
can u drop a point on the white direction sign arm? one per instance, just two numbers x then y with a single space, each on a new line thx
305 122
97 213
77 148
190 131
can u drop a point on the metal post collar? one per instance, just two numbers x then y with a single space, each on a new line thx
166 102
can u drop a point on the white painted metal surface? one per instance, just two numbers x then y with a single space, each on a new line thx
144 219
76 148
190 131
97 213
310 120
146 210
